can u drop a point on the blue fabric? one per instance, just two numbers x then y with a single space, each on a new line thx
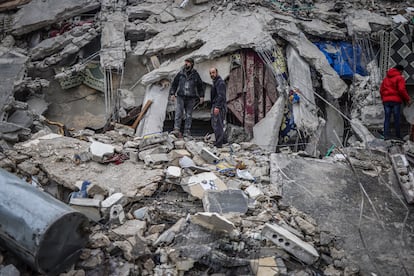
288 127
342 59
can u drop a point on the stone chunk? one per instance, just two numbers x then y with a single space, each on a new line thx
207 155
94 189
404 175
227 201
116 198
158 138
290 243
156 159
198 184
213 221
131 228
99 150
268 266
254 192
169 235
117 214
173 172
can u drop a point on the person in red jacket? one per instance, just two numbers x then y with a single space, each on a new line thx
393 94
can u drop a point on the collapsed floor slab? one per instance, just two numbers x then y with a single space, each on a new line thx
335 203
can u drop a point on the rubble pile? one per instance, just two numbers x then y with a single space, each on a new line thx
190 209
85 113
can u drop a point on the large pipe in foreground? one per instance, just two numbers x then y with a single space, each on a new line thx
47 234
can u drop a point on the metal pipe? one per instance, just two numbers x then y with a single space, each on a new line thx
45 233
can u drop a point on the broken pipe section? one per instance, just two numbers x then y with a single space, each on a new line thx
47 234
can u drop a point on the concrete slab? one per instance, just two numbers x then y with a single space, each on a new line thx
330 193
264 138
39 13
56 156
213 221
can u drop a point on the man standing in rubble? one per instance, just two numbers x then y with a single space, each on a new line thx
218 107
187 88
393 94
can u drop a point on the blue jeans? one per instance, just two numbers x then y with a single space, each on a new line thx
392 108
184 104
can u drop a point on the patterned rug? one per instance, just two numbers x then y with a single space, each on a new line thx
397 47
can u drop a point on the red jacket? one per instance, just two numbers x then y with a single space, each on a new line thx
393 87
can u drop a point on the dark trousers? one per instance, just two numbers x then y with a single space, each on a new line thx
217 123
392 108
184 104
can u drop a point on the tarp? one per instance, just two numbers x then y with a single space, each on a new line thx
343 59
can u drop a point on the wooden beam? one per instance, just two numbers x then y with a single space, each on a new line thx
141 114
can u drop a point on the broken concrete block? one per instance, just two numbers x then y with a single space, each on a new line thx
227 201
184 265
168 236
88 202
124 130
186 162
99 150
117 214
173 172
131 228
153 150
207 155
266 131
254 192
268 266
193 148
141 213
116 198
132 154
196 185
176 154
307 227
157 138
179 144
156 159
213 221
98 240
289 242
94 189
404 175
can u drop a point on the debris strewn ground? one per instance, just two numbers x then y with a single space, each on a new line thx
306 184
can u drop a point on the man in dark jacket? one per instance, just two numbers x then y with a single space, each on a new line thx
218 107
393 93
187 88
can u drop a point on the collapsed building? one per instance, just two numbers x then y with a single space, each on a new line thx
304 126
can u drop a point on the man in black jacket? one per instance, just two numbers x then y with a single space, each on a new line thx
187 88
218 107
